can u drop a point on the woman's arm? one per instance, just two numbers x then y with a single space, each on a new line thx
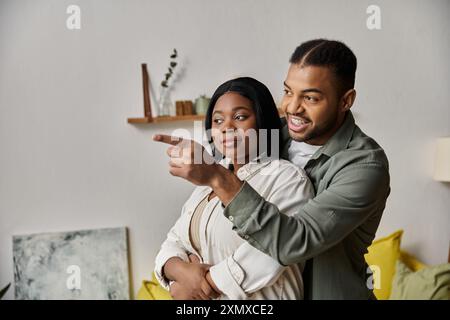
242 273
172 264
173 268
171 248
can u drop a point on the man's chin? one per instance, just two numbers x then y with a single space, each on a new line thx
299 137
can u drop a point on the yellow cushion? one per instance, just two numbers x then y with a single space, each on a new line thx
152 290
411 262
381 257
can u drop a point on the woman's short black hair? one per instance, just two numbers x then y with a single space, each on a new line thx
263 105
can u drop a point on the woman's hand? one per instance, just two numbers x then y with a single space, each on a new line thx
190 278
178 292
193 281
194 259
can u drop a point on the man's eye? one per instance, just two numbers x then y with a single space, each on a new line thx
287 92
310 99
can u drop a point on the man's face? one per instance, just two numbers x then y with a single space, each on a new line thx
311 104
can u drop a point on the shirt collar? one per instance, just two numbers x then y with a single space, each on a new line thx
339 141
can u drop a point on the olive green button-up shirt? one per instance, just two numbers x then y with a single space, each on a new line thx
331 233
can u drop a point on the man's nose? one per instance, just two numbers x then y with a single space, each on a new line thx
294 106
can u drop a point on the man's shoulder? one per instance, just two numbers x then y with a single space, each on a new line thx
363 149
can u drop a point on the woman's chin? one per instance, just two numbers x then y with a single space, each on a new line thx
234 153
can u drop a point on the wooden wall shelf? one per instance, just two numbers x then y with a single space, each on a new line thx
167 119
148 118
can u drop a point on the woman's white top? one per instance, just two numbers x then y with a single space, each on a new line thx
239 270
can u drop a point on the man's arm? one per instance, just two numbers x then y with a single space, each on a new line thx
226 184
355 193
185 163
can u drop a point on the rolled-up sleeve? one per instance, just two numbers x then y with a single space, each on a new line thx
241 274
228 276
171 247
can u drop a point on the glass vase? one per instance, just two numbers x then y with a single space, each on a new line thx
164 103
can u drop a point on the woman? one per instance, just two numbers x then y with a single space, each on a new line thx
231 266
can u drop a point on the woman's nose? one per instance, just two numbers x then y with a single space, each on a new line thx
228 125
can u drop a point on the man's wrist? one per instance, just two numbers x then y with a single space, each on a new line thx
217 176
225 184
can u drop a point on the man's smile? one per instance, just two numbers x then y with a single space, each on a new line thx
297 124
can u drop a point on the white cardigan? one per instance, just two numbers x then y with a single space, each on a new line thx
239 270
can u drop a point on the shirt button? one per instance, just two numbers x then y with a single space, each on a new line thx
246 237
231 218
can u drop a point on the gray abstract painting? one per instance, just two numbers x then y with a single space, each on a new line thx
86 264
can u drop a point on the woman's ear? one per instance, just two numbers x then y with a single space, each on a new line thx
348 99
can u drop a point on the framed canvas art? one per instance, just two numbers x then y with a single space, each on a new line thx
86 264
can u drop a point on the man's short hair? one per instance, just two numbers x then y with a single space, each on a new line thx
331 54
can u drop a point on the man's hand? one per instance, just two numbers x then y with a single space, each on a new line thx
190 161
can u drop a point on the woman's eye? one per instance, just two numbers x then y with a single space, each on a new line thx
218 121
287 92
241 117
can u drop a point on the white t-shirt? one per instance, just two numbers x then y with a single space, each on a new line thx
301 152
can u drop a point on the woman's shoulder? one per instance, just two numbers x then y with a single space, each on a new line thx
196 196
282 182
200 191
285 167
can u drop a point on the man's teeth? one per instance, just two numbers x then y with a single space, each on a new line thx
297 122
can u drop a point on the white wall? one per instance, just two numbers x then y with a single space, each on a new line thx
70 161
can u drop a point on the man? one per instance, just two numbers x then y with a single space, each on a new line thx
349 171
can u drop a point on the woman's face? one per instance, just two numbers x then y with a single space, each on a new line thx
233 120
